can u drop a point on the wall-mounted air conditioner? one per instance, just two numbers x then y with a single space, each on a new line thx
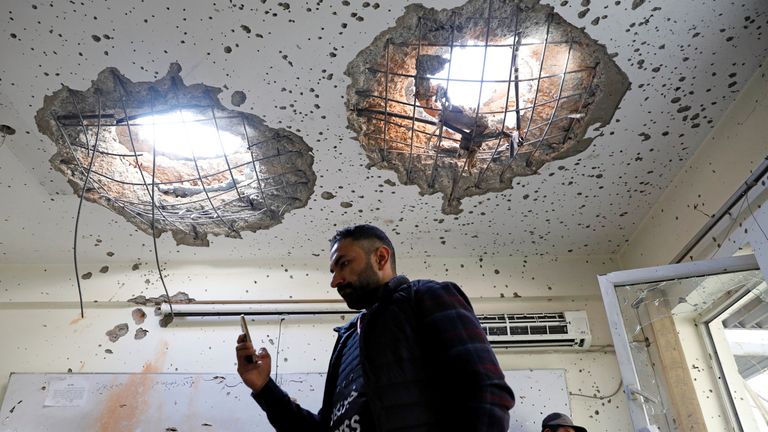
538 331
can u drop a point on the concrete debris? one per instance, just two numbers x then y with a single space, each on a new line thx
255 183
166 320
138 316
179 297
140 333
117 332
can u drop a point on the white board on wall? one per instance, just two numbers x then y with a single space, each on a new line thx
205 402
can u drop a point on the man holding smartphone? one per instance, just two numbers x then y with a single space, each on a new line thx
414 359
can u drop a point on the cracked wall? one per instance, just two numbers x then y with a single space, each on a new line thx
216 171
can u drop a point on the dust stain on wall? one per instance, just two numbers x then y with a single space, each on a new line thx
125 405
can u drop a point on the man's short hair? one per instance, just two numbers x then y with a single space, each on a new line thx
363 233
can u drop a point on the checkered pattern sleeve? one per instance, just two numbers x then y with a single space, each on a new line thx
479 394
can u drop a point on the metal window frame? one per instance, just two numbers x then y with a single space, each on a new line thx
639 414
705 319
749 232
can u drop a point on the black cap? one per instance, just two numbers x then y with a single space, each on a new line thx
554 420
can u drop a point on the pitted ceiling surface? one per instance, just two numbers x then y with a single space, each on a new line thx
686 61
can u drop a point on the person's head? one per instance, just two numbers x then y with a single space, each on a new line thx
559 422
362 260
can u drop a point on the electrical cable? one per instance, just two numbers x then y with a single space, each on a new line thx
749 206
85 184
744 199
618 389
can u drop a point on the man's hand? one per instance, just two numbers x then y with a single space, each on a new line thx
254 374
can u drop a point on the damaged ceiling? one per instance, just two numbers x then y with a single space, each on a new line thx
281 66
170 157
498 87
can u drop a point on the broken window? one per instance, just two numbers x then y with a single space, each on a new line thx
462 101
170 157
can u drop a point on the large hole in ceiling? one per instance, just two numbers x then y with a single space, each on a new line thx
171 157
462 101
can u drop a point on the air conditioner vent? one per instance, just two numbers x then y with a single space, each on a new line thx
557 329
497 331
519 331
538 331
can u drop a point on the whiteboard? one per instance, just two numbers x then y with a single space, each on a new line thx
205 402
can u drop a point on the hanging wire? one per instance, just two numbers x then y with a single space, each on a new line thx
538 81
557 103
386 99
197 166
255 168
152 201
618 389
749 206
441 130
473 132
406 116
513 70
735 218
413 113
84 187
135 154
224 153
103 190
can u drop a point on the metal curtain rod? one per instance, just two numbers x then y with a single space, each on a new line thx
261 308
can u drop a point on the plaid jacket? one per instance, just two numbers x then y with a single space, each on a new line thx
427 366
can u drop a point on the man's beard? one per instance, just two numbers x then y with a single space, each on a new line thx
363 293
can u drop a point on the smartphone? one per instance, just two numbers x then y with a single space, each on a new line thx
244 328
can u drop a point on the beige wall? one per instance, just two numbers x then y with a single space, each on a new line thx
38 305
43 333
735 147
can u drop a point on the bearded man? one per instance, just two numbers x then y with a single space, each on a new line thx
414 359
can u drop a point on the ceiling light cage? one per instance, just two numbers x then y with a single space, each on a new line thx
171 158
462 101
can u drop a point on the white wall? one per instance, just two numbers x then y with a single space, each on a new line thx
46 335
736 146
